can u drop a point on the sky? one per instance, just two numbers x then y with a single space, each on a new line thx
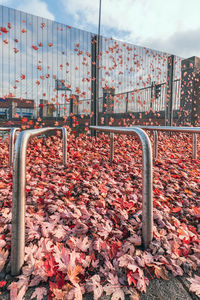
172 26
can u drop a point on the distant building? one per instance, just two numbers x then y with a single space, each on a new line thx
16 108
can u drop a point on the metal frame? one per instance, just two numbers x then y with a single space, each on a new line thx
193 130
13 131
147 175
19 193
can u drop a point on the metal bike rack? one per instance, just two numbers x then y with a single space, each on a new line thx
155 129
13 131
147 175
19 193
193 130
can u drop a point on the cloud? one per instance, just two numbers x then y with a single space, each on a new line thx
186 43
164 25
35 7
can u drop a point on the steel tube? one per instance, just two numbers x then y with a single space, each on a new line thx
64 139
147 174
13 131
155 150
169 128
194 146
12 145
19 194
193 130
111 146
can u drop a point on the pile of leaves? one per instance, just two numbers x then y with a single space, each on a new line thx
83 221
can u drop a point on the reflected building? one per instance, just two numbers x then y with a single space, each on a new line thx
37 55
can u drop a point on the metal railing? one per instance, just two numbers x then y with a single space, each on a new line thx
155 129
13 131
147 175
19 193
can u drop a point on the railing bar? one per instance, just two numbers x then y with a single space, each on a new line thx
191 130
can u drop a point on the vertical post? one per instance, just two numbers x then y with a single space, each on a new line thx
194 146
19 194
169 100
155 153
11 145
94 83
190 92
111 146
152 93
97 66
71 111
64 138
126 102
12 109
147 178
147 189
18 204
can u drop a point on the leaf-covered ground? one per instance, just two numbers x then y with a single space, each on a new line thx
83 233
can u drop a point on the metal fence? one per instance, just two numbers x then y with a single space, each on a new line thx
46 62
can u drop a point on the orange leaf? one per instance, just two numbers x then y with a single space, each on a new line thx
160 272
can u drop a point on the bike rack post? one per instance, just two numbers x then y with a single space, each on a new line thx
19 193
12 145
147 188
13 131
111 146
194 146
155 150
191 130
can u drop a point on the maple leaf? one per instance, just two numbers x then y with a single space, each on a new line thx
2 283
49 265
133 295
114 288
160 272
83 243
94 285
195 285
39 293
3 258
72 274
18 289
35 47
128 262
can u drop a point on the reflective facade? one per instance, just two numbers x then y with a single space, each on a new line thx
36 52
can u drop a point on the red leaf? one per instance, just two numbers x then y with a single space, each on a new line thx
176 209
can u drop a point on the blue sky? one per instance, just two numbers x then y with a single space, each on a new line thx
172 26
